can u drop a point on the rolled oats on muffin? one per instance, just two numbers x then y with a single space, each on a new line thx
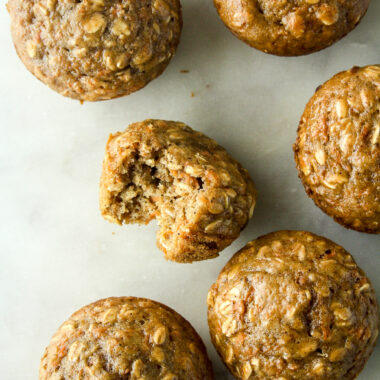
95 49
126 338
201 197
291 27
338 148
293 305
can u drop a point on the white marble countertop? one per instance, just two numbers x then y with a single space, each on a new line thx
58 254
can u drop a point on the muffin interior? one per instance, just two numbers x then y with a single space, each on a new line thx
153 191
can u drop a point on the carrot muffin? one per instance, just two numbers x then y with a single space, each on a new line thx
201 197
126 338
338 148
95 49
293 305
291 27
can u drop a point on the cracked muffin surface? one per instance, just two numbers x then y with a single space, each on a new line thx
95 49
201 197
126 338
293 305
291 27
337 151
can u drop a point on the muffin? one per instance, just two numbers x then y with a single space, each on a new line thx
291 27
95 49
293 305
201 197
337 151
126 338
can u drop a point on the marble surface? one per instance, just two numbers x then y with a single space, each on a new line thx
58 254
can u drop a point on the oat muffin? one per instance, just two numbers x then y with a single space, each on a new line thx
291 27
126 338
95 49
201 197
338 148
293 305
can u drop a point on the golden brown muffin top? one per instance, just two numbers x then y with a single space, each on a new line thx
293 305
291 27
125 338
338 148
95 49
201 197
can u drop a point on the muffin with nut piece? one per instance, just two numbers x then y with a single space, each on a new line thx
293 305
291 27
95 49
337 151
201 197
126 338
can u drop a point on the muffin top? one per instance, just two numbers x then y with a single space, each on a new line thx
291 27
293 305
95 49
125 338
338 148
201 197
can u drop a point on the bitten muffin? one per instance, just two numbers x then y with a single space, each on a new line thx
338 148
291 27
201 197
95 49
293 305
126 338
